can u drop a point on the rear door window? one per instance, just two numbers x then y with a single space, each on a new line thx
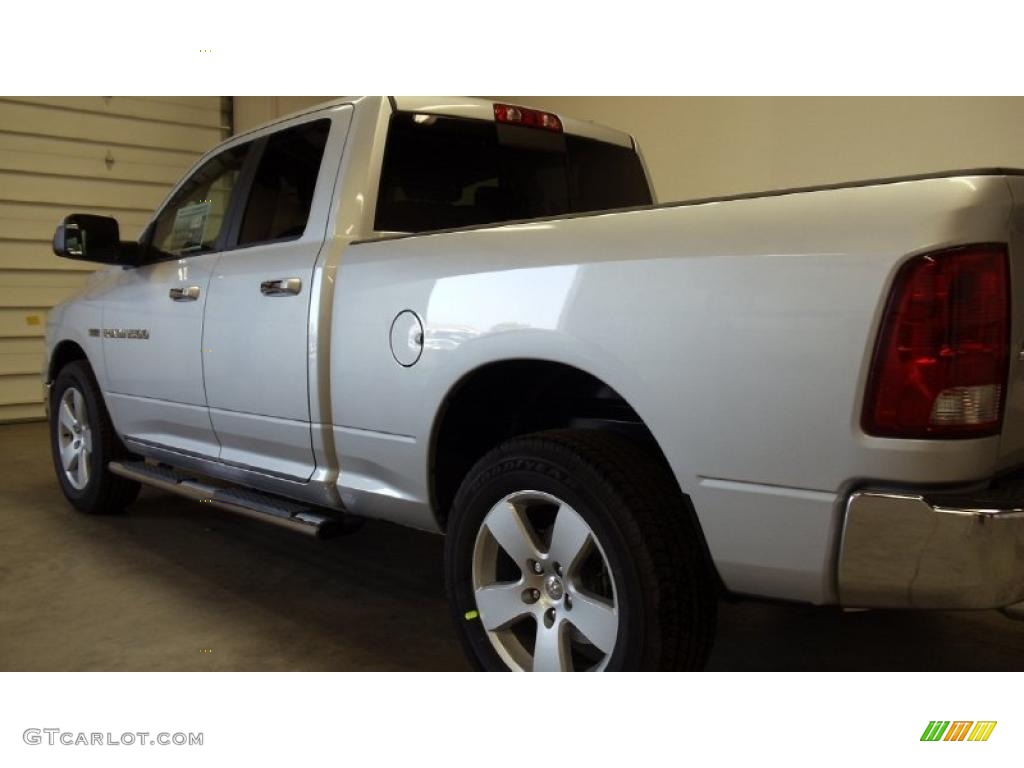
282 189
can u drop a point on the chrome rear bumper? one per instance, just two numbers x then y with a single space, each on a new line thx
911 550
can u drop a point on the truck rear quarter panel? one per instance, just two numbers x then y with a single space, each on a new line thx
740 331
1011 445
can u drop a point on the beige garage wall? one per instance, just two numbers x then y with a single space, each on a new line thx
698 146
710 146
111 155
250 111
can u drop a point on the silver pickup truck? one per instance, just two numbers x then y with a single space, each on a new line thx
474 318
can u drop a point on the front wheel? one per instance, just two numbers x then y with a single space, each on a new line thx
83 442
574 550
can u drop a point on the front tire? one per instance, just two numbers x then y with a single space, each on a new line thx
574 550
83 443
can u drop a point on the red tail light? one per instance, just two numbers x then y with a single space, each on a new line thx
940 366
531 118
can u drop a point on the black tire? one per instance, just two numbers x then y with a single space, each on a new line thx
105 492
666 585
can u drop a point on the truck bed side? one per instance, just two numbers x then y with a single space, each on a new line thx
740 331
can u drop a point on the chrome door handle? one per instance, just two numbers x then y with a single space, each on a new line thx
184 294
285 286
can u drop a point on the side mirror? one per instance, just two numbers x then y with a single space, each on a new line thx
85 237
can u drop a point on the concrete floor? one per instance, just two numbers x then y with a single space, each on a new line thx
175 586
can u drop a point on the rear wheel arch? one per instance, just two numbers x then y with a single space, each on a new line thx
509 398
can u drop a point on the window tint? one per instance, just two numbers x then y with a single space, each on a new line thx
192 220
442 172
603 176
282 191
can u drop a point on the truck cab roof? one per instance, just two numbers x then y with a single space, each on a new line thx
461 106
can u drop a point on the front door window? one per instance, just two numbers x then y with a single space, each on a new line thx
192 221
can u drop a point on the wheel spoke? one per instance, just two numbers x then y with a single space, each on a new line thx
500 605
67 455
79 406
551 650
513 532
66 418
596 619
83 470
569 538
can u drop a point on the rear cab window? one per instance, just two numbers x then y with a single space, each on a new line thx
446 172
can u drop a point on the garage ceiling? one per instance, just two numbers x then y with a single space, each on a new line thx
110 155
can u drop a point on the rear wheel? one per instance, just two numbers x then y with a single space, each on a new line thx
83 442
573 550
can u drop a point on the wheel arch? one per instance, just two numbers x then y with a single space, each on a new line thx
505 398
66 351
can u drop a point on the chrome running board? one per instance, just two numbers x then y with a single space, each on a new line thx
241 501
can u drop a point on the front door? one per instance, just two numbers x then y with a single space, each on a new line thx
255 340
153 316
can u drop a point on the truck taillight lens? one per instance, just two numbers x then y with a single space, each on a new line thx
939 369
531 118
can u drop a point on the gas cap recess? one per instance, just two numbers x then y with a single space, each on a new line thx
407 338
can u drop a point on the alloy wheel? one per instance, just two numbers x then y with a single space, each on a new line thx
74 438
543 586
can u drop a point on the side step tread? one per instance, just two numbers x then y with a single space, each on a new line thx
244 501
157 471
261 502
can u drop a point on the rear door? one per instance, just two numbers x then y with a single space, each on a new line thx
256 326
